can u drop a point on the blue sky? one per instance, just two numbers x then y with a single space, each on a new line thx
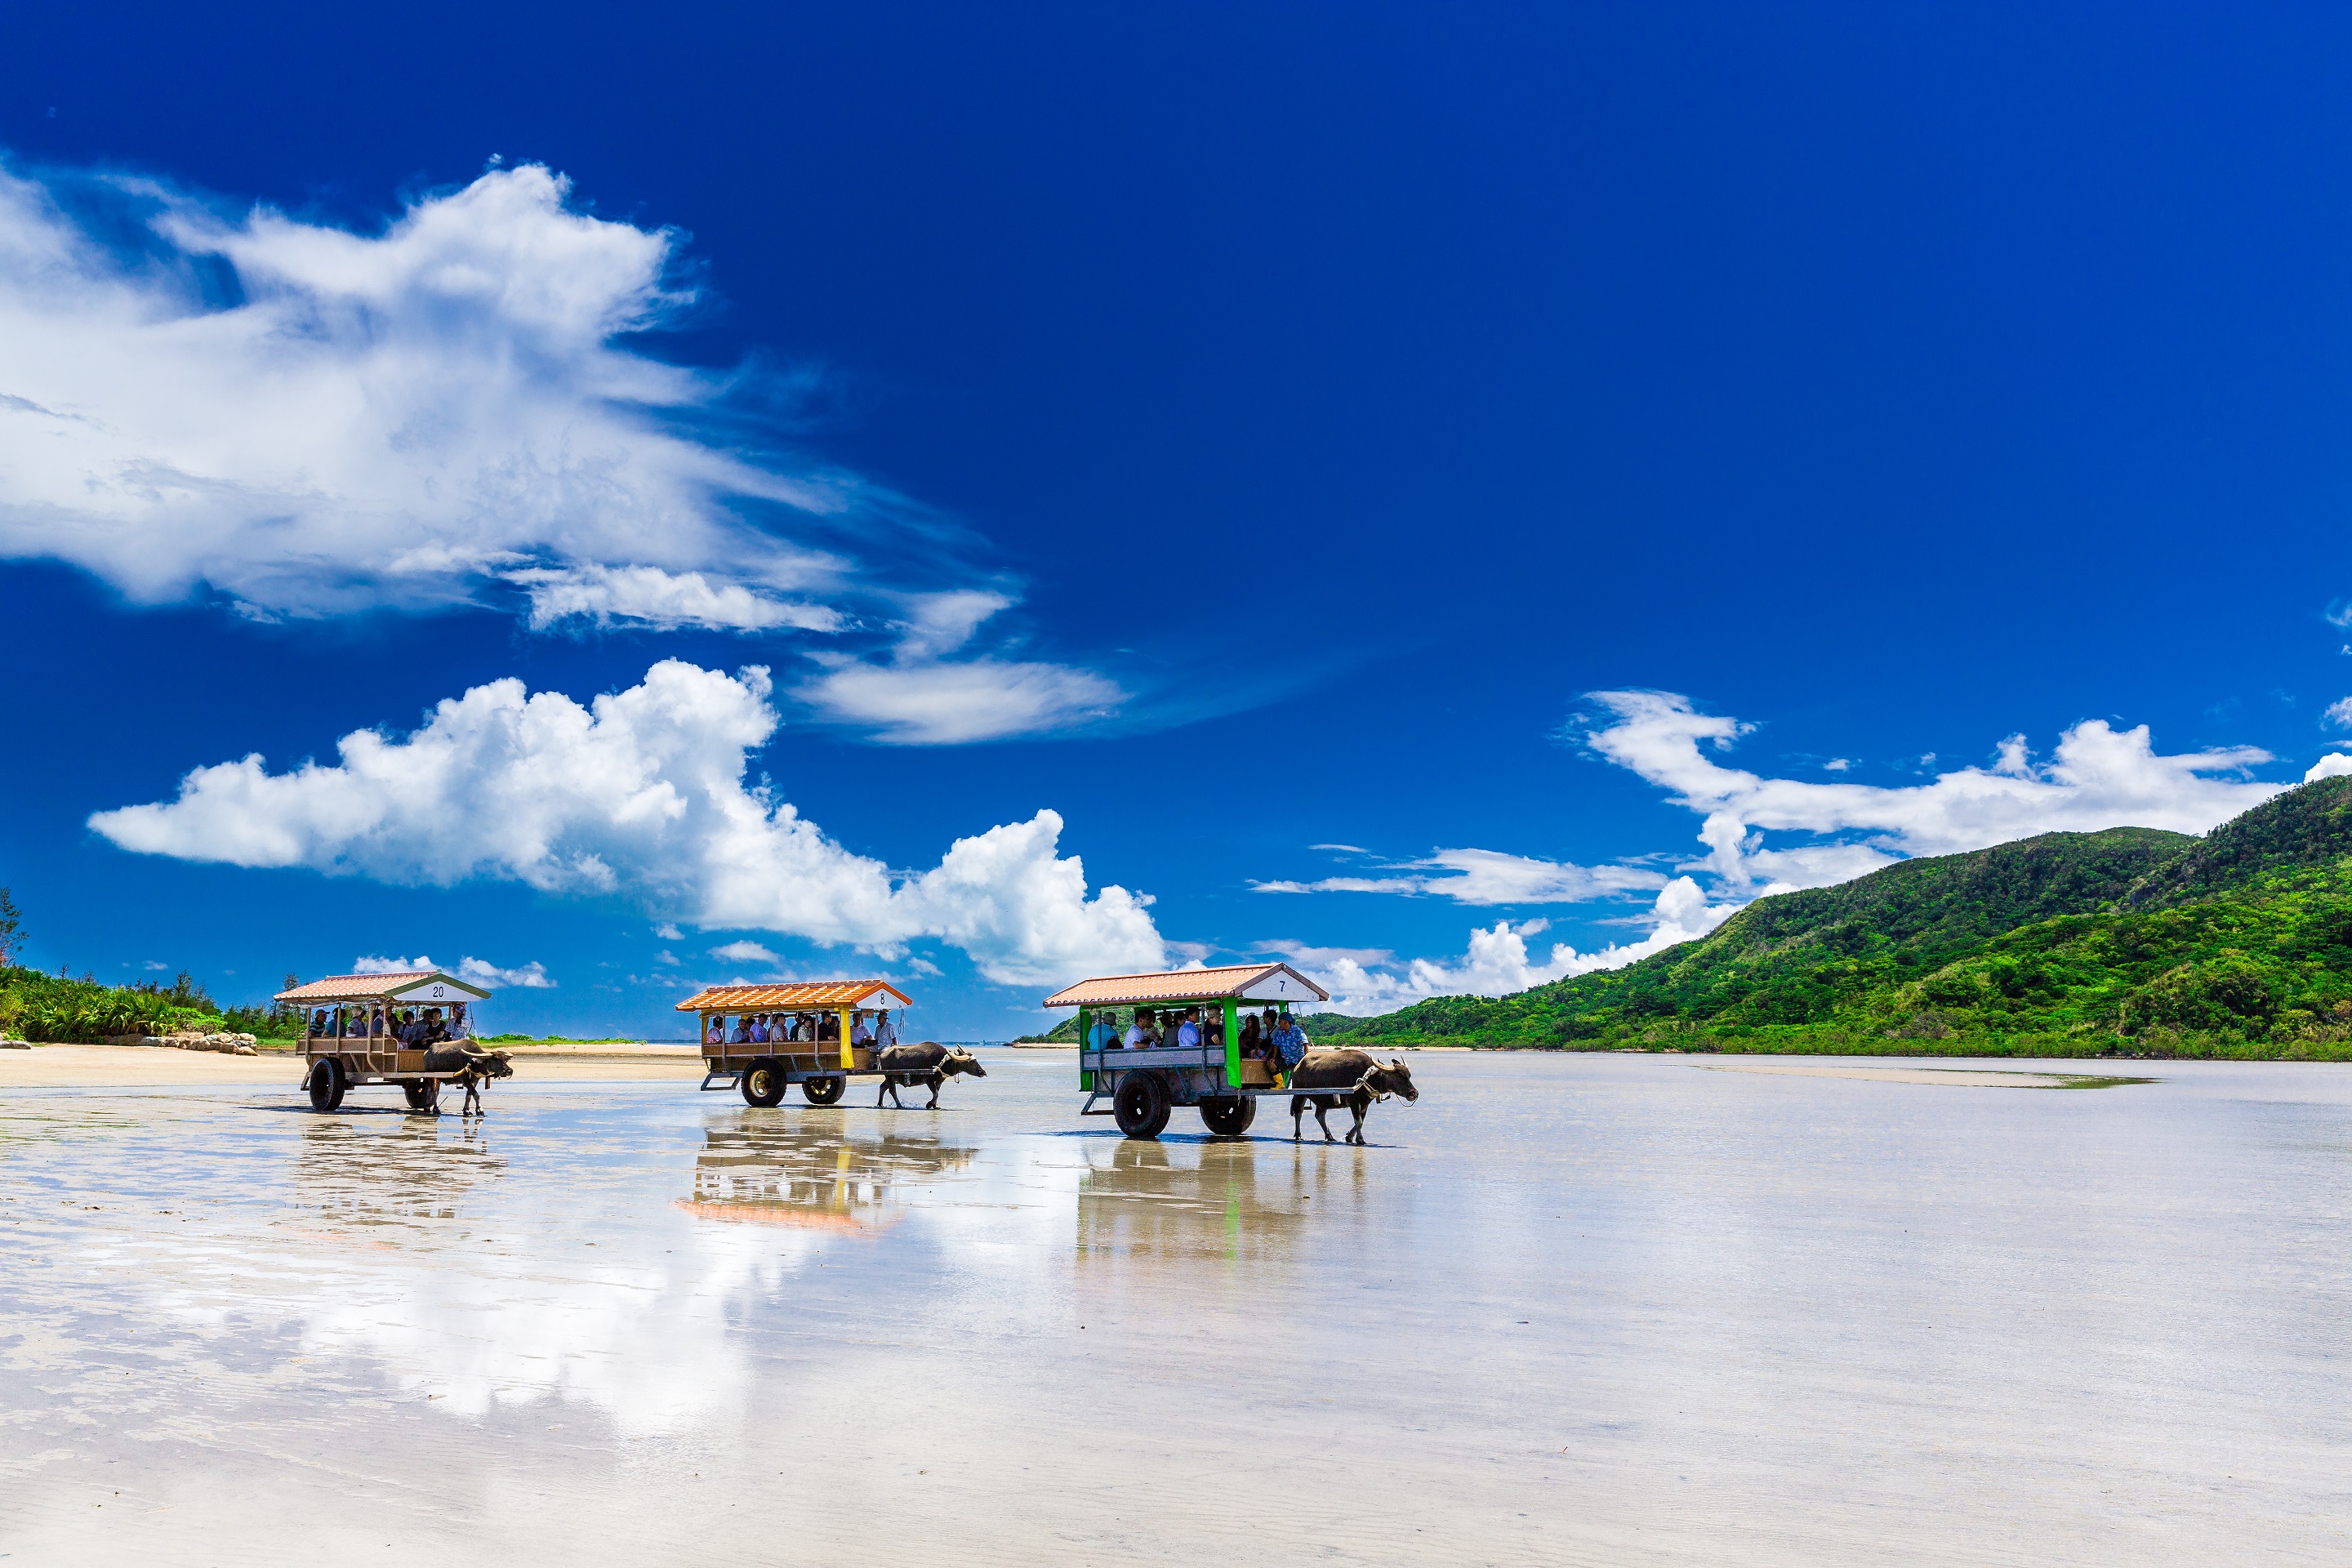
1249 437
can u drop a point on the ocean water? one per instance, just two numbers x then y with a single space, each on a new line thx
1609 1309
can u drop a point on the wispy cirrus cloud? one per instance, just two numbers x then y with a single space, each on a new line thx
1498 960
1487 877
458 409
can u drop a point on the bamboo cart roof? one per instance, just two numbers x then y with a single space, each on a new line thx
1237 982
817 994
400 985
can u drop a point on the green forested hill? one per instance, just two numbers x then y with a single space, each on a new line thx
2128 941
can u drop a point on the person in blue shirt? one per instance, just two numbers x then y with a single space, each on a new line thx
1104 1033
1188 1032
1289 1042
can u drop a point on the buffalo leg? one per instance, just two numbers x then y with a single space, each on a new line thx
1322 1110
880 1091
1356 1134
936 1080
1297 1110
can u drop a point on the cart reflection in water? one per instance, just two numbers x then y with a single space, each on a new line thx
409 1173
1141 1200
756 1171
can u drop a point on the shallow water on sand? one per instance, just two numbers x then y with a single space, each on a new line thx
1611 1309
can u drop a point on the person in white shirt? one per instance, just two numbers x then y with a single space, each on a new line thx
1142 1032
861 1033
886 1028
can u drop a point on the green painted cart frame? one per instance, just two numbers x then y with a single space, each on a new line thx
1143 1086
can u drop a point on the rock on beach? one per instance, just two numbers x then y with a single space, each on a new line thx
226 1045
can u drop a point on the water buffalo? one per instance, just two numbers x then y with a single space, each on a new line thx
930 1062
475 1068
1355 1076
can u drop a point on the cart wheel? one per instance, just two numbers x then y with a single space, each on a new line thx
762 1083
1229 1117
823 1090
1140 1105
326 1085
419 1091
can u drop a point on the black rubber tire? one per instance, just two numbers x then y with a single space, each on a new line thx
419 1092
762 1083
825 1090
326 1085
1229 1117
1140 1105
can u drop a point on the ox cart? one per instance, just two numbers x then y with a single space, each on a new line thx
412 1028
818 1034
1144 1081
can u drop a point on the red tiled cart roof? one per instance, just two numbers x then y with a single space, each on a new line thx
370 987
1179 985
791 995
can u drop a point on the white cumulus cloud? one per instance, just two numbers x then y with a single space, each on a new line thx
530 976
2329 767
640 793
2097 777
744 952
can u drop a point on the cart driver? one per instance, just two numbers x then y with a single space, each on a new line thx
886 1029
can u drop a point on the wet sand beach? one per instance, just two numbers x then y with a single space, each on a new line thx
136 1067
1567 1309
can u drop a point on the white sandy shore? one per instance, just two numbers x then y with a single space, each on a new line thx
138 1067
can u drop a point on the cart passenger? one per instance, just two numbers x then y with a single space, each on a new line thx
1104 1034
1144 1033
718 1029
1290 1040
861 1033
1188 1032
318 1023
757 1032
828 1027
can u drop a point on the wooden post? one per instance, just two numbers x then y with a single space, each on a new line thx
848 1061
